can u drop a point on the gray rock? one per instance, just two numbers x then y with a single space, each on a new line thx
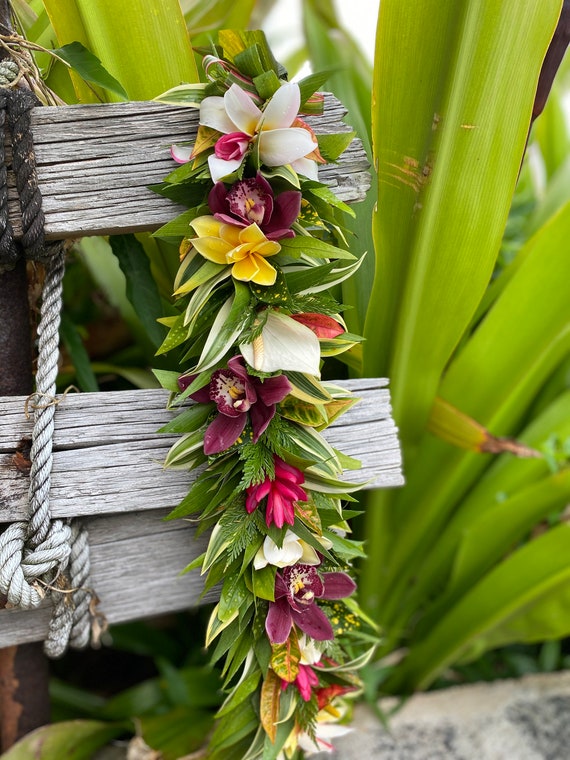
528 719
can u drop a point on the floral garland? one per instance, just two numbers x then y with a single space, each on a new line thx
254 316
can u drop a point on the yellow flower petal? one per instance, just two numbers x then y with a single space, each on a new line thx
251 234
231 234
212 248
266 273
239 253
245 270
267 248
206 226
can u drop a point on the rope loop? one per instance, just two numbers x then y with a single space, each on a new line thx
34 555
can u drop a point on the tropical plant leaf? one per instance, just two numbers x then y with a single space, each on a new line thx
89 68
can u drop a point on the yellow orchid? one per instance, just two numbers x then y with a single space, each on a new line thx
245 247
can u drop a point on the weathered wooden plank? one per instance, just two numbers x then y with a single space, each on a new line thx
95 163
108 456
136 561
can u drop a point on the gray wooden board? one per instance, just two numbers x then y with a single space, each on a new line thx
136 564
108 456
95 163
107 459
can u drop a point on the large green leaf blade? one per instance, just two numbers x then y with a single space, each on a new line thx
527 578
494 379
446 180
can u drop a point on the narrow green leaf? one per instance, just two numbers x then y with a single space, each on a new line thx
310 246
142 291
89 67
72 339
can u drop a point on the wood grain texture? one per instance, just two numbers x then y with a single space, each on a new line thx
136 561
107 459
95 163
108 456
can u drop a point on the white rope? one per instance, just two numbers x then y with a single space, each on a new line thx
35 554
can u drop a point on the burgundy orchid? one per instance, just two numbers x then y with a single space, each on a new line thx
282 492
296 590
236 393
306 679
252 201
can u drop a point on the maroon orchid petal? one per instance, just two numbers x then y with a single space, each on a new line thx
228 391
263 184
260 416
227 219
232 146
249 201
278 234
313 622
222 433
237 366
272 390
286 210
202 395
280 586
278 622
337 586
217 199
304 583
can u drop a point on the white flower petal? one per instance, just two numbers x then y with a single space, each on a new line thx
310 556
283 146
213 114
219 168
310 653
307 167
241 109
290 553
181 153
283 344
259 561
283 108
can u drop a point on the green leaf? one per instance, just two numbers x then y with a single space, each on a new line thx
264 583
525 581
178 333
227 327
167 379
176 733
310 246
233 597
240 693
333 146
310 84
142 290
74 740
465 109
189 420
72 339
89 67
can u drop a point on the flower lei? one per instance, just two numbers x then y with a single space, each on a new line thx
254 316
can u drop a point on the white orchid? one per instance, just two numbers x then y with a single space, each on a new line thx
292 551
241 122
283 344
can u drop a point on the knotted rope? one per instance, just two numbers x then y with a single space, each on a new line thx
35 554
